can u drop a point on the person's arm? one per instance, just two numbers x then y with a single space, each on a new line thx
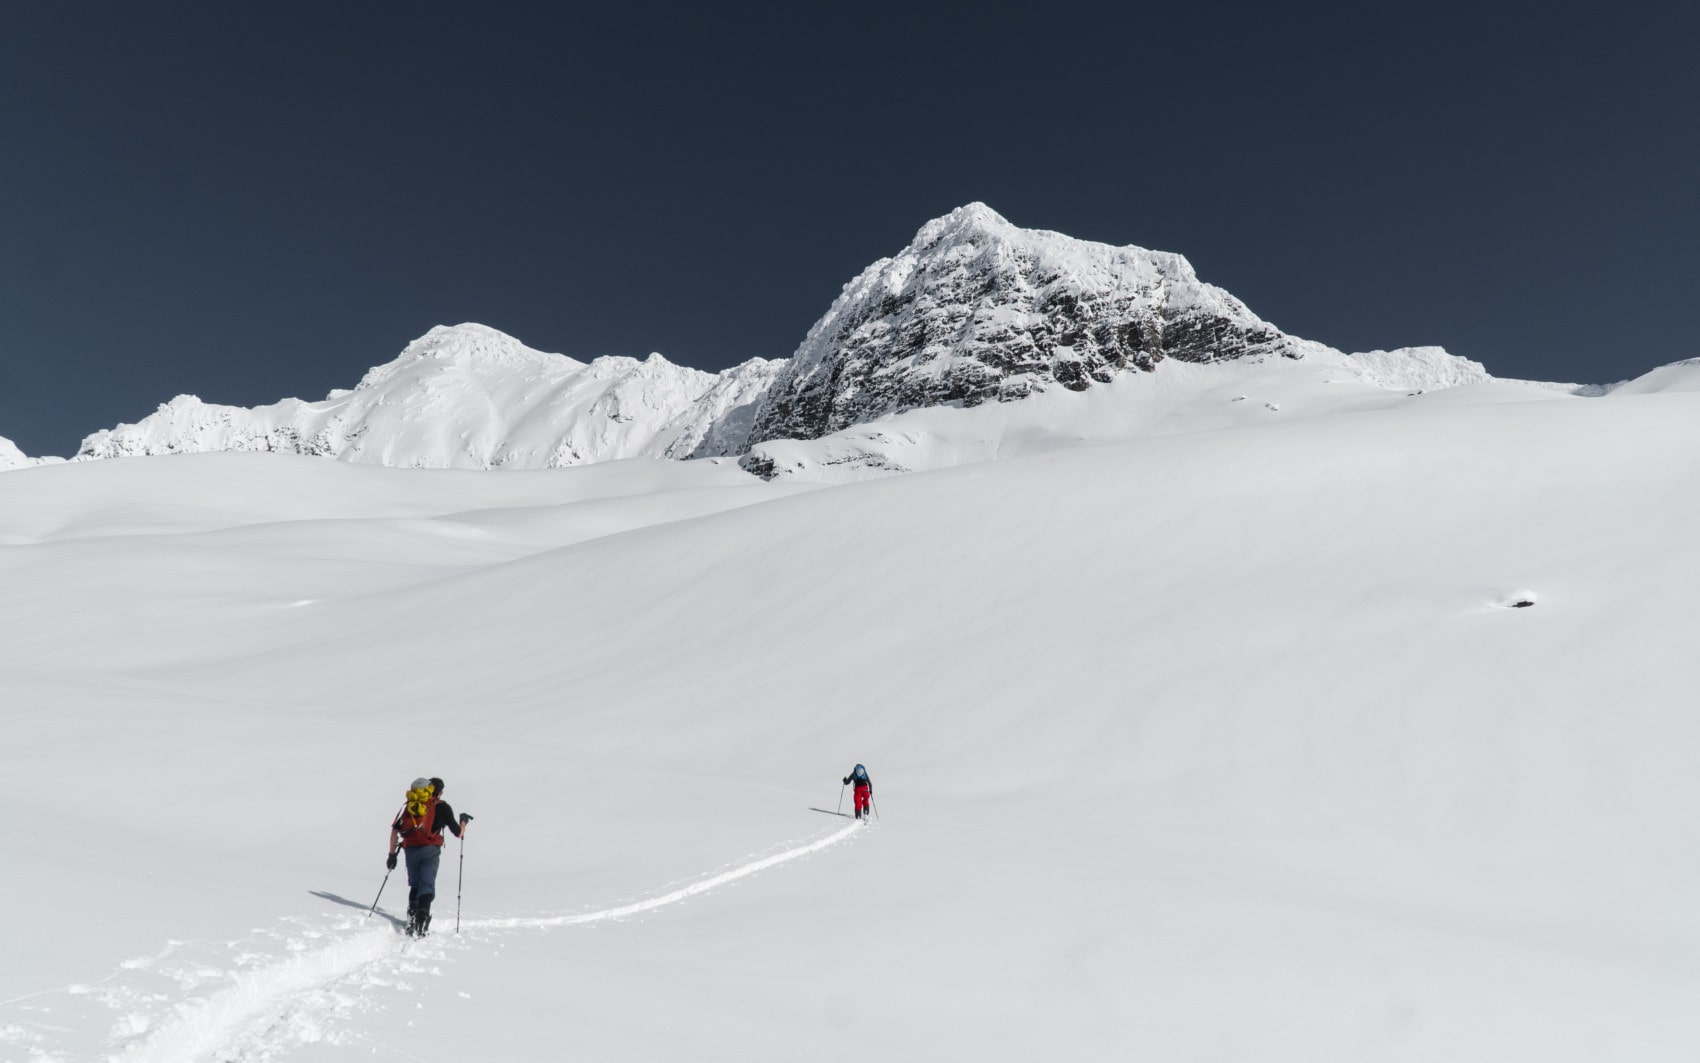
389 861
445 820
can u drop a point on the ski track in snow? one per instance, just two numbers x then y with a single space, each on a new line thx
275 1004
677 895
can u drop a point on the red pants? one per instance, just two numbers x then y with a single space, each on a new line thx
863 794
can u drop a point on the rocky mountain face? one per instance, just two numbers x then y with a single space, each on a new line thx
471 397
977 310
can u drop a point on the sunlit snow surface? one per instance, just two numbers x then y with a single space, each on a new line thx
1225 743
471 397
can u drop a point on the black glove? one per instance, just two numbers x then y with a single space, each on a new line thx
390 863
847 780
465 818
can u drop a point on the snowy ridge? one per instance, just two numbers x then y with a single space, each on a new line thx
974 311
470 397
1677 376
13 457
10 456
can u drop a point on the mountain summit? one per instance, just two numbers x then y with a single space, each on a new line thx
976 309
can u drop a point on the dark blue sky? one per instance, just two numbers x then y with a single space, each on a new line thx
248 201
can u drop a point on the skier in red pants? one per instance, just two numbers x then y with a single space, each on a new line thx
864 789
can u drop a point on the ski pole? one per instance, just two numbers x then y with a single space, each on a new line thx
380 895
841 799
876 805
464 820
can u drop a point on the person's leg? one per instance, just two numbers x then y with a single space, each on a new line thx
422 882
412 881
428 864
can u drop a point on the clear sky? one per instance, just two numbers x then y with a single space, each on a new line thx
247 201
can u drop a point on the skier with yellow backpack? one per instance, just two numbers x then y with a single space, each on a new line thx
418 831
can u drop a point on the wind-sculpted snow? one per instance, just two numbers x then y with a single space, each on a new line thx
470 397
1417 369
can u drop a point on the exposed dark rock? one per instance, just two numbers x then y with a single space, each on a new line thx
976 310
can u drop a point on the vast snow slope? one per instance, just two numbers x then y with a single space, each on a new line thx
1221 744
470 397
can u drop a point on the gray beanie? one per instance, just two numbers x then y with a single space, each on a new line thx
420 784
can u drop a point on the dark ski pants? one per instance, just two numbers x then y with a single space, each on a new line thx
863 793
422 861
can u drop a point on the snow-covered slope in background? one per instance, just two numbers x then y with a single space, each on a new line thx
1677 376
470 397
1175 397
1215 745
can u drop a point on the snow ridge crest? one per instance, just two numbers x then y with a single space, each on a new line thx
472 397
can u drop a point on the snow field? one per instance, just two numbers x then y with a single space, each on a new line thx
1215 745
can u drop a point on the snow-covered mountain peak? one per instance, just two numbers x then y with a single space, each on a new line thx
468 348
976 309
976 228
470 396
964 223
